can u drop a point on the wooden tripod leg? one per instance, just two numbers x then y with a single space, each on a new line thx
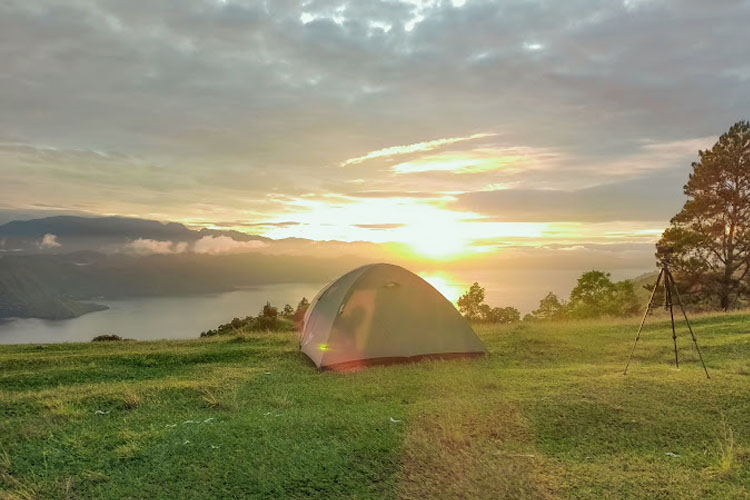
668 293
643 321
687 321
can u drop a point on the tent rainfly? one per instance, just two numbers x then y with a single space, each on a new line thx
381 314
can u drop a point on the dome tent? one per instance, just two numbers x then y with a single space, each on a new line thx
382 313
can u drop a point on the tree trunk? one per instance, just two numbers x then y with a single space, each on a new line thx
726 287
724 298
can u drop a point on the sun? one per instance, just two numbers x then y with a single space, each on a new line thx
438 247
437 239
419 229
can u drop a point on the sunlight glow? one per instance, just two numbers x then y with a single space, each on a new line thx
445 284
424 227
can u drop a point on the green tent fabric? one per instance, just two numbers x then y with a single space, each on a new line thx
382 313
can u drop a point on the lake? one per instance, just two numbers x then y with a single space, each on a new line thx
186 317
156 317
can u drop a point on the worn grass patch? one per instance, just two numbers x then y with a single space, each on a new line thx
469 449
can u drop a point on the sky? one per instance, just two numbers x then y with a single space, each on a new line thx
456 128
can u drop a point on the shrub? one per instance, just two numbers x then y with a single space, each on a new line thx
472 306
594 296
108 338
267 320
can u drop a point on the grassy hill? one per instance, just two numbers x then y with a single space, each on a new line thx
643 286
548 414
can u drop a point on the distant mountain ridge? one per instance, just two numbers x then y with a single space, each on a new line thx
49 265
68 225
73 233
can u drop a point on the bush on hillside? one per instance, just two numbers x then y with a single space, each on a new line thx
268 320
108 338
472 306
594 296
299 313
550 308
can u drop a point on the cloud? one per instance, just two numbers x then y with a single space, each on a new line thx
49 241
211 245
214 245
272 224
413 148
143 246
393 194
479 160
380 226
655 197
369 84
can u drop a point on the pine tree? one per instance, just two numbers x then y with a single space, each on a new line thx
708 242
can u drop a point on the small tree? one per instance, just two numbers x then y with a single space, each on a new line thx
596 295
502 315
550 308
302 307
470 303
269 311
288 311
268 318
472 306
592 296
624 300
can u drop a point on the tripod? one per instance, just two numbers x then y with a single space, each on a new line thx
669 285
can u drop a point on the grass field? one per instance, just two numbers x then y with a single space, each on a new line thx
548 414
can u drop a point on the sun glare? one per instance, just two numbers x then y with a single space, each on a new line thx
445 284
421 228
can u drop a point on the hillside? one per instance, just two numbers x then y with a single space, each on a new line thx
643 285
52 286
548 414
23 296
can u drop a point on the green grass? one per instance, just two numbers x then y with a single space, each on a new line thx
548 414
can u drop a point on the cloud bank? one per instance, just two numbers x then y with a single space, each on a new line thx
204 111
49 241
215 245
211 245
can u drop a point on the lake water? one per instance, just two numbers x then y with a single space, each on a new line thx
155 318
186 317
